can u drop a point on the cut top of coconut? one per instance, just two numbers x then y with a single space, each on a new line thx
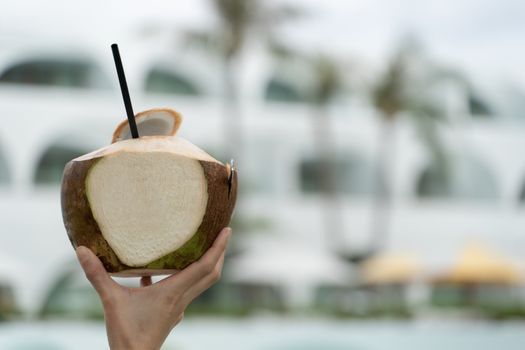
153 122
167 144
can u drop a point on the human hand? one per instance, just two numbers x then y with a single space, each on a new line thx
142 317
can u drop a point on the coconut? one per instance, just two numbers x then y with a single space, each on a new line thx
147 206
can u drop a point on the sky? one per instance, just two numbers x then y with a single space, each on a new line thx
482 37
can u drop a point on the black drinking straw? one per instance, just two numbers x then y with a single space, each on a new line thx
125 92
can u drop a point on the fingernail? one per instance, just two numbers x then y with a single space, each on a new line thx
227 232
81 253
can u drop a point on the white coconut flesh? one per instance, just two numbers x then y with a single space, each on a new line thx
148 196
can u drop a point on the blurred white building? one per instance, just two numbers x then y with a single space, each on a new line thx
62 101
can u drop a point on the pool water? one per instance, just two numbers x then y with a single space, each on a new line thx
274 333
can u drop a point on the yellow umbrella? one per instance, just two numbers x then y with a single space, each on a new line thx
478 264
390 268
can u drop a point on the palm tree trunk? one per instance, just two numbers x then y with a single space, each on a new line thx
232 113
327 179
382 204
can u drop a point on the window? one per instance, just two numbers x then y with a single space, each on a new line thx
464 178
281 91
352 174
4 171
163 81
71 297
65 73
478 107
522 195
51 164
8 306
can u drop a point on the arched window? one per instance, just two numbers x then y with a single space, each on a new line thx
522 195
352 174
167 82
281 91
478 107
51 164
56 72
464 178
4 170
71 297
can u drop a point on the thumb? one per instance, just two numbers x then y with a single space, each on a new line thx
95 272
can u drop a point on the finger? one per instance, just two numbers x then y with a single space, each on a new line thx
205 283
95 272
199 269
145 281
206 264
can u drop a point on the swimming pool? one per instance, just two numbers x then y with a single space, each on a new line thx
277 333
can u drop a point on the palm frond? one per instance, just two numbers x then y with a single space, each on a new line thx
327 79
202 39
279 50
389 93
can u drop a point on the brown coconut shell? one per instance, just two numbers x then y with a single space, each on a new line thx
83 229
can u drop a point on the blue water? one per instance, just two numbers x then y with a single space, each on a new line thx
325 334
273 333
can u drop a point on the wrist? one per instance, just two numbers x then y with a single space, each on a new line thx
123 342
126 344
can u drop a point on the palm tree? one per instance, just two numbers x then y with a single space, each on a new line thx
402 90
238 20
327 83
325 75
